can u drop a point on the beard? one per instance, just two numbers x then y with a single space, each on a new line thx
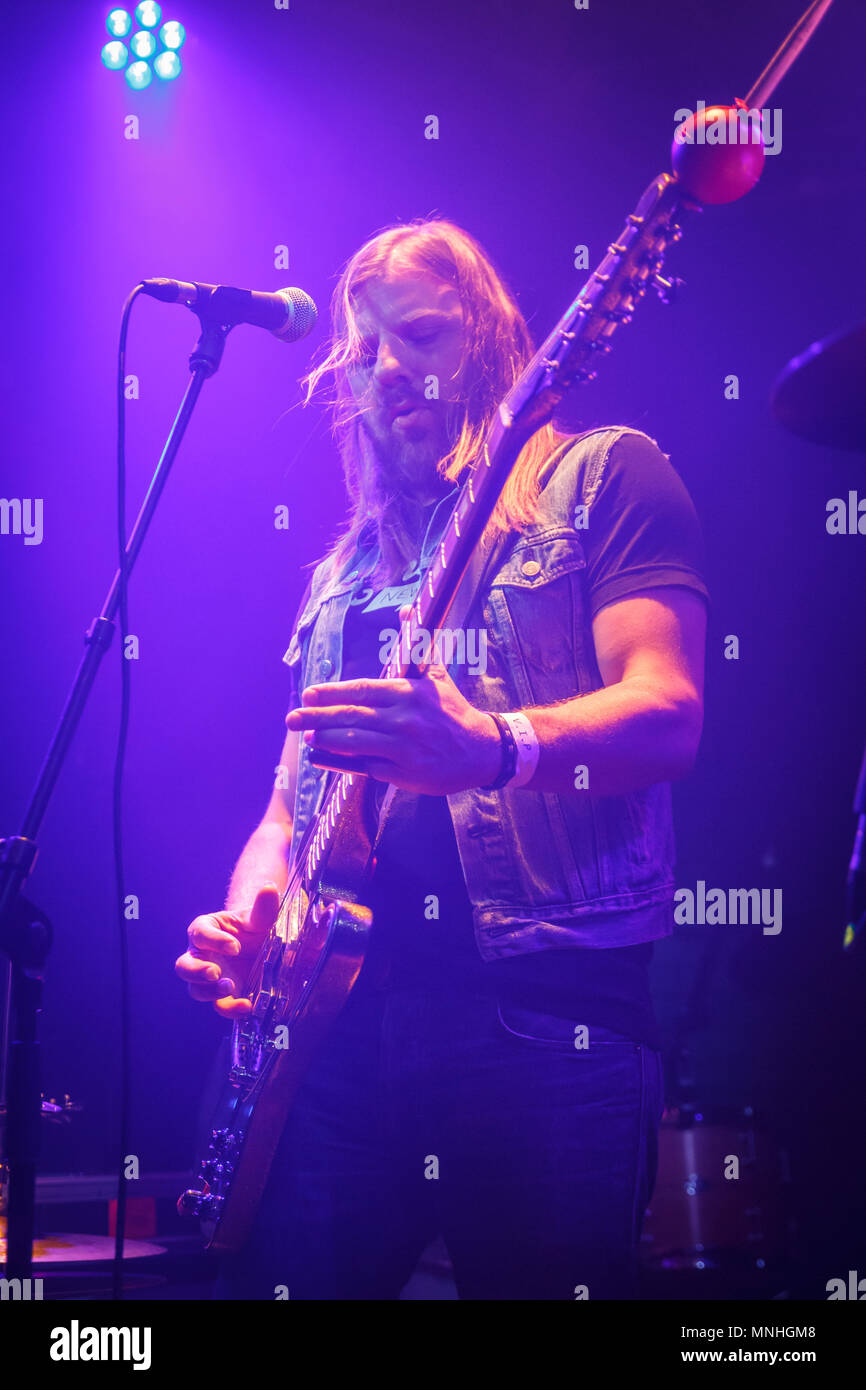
403 479
406 458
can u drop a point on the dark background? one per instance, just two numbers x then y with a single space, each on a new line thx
306 128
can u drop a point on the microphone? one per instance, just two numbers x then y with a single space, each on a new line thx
288 314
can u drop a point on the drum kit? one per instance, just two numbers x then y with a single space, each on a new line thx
700 1220
821 394
720 1209
61 1250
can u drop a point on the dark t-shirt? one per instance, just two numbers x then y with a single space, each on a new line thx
643 533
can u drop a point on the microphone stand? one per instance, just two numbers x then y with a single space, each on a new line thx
25 933
856 883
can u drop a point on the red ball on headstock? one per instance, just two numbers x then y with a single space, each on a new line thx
718 153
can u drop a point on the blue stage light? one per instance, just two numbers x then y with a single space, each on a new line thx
172 34
145 51
118 23
143 44
139 75
148 14
114 55
167 66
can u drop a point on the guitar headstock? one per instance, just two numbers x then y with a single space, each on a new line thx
631 266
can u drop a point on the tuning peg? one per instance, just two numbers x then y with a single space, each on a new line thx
667 290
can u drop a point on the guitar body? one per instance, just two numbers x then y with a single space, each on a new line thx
300 983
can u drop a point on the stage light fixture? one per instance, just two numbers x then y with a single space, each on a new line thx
147 14
143 44
172 34
139 75
167 66
118 23
115 54
148 53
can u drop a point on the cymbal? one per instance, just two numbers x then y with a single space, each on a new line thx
74 1249
50 1110
821 394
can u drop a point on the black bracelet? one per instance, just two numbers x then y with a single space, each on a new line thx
509 753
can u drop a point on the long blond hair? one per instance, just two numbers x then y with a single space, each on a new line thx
496 347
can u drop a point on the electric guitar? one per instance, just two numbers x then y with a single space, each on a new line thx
314 951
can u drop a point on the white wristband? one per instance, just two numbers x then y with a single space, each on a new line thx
527 748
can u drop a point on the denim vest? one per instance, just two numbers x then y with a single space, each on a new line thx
542 869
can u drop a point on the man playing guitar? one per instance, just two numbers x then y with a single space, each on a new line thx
495 1075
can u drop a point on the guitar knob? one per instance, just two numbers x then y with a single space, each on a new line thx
667 290
198 1201
190 1203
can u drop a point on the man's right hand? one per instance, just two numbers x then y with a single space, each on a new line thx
222 949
